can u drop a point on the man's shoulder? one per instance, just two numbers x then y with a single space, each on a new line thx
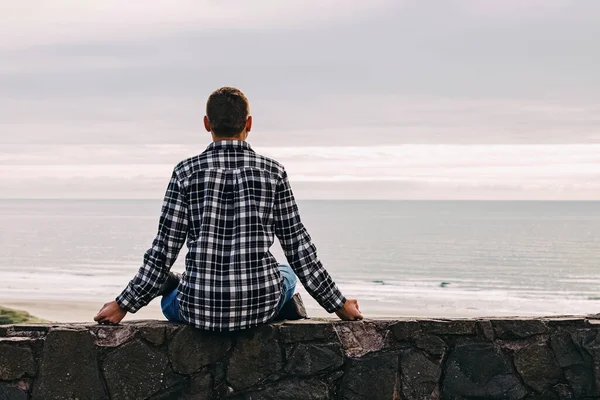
190 165
187 167
270 164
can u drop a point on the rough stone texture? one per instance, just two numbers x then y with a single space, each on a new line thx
191 349
198 387
478 370
431 344
69 367
533 359
572 322
112 336
293 389
487 330
518 329
419 375
577 364
311 359
360 338
255 357
134 371
449 327
594 350
306 330
155 335
405 330
15 361
538 368
372 377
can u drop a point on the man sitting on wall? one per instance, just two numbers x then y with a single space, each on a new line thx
229 203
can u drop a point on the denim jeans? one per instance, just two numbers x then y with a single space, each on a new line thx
170 303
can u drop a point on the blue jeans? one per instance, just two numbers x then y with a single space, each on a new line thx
170 303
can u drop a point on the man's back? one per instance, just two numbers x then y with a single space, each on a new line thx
232 281
229 203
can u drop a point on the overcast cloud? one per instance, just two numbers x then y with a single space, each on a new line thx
124 84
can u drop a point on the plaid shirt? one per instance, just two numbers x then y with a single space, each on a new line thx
230 202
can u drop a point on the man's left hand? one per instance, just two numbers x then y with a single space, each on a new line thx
111 313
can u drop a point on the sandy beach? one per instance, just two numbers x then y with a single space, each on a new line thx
74 311
69 310
84 311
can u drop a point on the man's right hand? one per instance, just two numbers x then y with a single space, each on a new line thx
111 313
350 311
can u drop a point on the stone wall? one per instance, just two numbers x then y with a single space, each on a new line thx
552 358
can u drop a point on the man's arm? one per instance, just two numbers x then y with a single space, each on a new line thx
145 285
301 253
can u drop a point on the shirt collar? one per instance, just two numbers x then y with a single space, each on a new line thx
229 144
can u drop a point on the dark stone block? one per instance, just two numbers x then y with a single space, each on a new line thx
10 392
577 363
43 328
371 377
560 391
478 370
566 322
454 327
15 361
293 389
595 353
518 329
563 391
311 359
173 379
153 334
566 351
191 349
537 367
134 371
431 344
305 330
419 375
255 357
581 379
335 376
405 330
199 387
69 367
487 330
223 390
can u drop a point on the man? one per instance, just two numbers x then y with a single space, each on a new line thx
230 203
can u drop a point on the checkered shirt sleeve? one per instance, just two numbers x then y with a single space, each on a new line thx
299 250
172 232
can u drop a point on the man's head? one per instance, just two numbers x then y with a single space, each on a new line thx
228 114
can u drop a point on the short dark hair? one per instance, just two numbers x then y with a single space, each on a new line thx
227 110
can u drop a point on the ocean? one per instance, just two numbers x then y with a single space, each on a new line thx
398 258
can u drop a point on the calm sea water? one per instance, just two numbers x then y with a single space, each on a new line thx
398 257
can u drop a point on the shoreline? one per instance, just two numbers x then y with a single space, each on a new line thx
74 311
65 311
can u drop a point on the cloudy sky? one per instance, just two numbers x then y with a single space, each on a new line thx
473 99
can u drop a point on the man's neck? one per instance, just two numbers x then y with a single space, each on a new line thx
241 137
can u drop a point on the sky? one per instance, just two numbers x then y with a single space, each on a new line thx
385 99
